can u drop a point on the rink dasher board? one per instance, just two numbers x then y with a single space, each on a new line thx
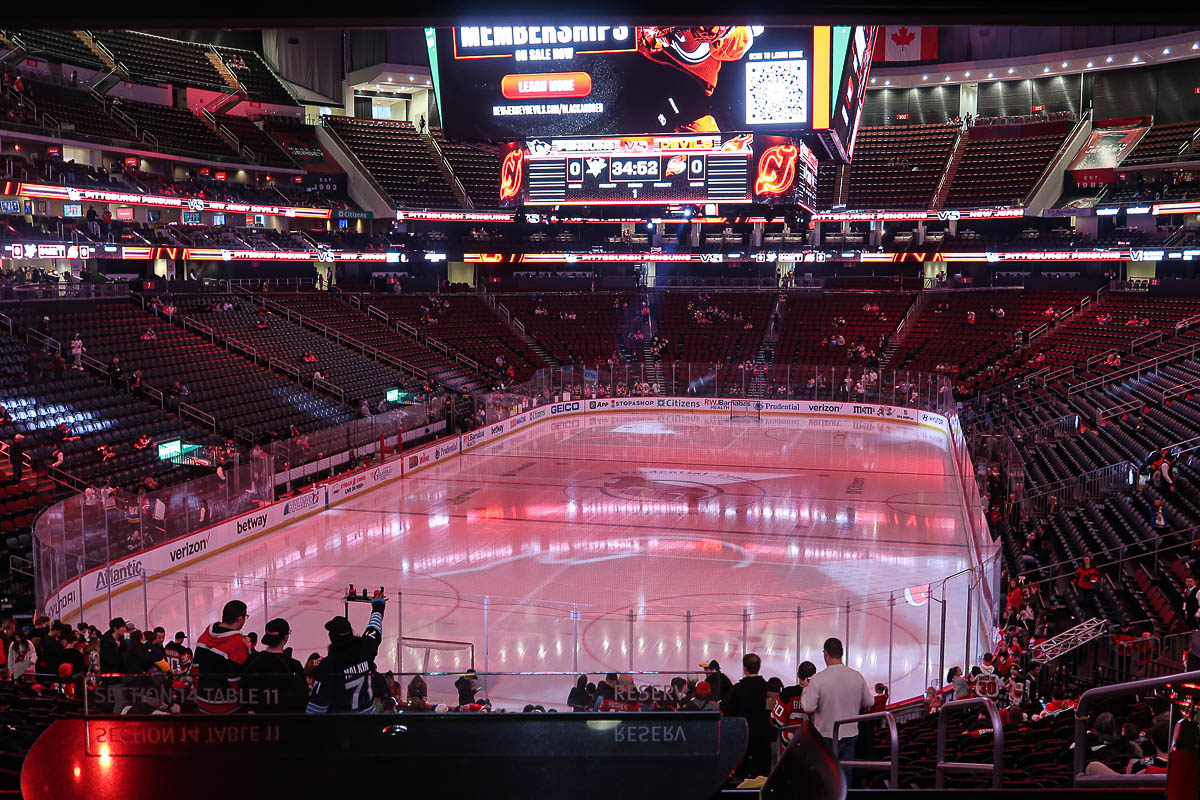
128 573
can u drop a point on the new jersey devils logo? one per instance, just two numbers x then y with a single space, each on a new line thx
510 174
776 169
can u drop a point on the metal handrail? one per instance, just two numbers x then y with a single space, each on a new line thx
943 766
892 765
1083 717
197 414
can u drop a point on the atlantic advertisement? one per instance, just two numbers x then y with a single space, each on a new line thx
133 570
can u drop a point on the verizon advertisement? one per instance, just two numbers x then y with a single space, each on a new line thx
131 571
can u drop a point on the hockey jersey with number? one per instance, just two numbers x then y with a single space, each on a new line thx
987 682
787 712
342 681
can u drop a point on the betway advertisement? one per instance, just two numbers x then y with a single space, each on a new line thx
130 571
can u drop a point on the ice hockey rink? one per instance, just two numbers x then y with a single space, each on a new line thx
711 531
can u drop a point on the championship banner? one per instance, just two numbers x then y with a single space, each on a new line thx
1096 162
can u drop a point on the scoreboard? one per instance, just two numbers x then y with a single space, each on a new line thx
525 81
654 170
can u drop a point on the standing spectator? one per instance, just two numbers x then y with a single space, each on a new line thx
273 681
16 458
112 646
837 692
21 655
788 710
467 685
220 653
1191 602
77 351
717 680
748 699
342 681
579 699
1087 580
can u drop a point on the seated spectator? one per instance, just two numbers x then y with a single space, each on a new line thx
149 335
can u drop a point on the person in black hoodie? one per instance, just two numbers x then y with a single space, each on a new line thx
467 685
112 646
342 681
719 681
274 682
748 699
579 698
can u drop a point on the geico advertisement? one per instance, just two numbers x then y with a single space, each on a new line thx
72 595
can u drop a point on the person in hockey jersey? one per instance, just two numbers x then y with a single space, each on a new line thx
220 653
987 682
787 711
342 682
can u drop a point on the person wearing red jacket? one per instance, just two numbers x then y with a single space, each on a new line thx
220 653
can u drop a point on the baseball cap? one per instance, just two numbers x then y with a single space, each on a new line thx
710 665
703 689
275 631
338 628
180 635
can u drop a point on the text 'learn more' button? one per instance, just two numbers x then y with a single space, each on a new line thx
542 85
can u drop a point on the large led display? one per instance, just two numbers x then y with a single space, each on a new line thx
508 82
664 169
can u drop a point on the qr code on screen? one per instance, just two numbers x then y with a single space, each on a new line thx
777 92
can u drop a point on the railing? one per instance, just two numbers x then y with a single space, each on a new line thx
454 179
198 415
50 122
244 349
243 434
1058 154
288 369
199 327
328 332
995 769
332 389
1083 717
892 765
1093 485
1137 370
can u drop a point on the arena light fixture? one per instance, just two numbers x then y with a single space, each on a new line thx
1011 70
947 77
966 74
1166 51
1066 64
411 78
1090 65
887 83
1196 45
874 80
991 74
1045 69
389 78
1136 59
924 77
1108 60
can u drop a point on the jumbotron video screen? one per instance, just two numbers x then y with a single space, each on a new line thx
521 82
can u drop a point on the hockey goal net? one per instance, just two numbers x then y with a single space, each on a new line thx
745 409
435 655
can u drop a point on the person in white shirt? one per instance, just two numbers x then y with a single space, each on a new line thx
837 692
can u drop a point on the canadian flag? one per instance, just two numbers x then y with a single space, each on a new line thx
902 43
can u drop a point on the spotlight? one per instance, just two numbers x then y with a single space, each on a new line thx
1108 60
1066 64
991 74
1166 51
1090 65
1011 70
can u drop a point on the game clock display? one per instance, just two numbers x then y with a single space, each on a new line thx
649 170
